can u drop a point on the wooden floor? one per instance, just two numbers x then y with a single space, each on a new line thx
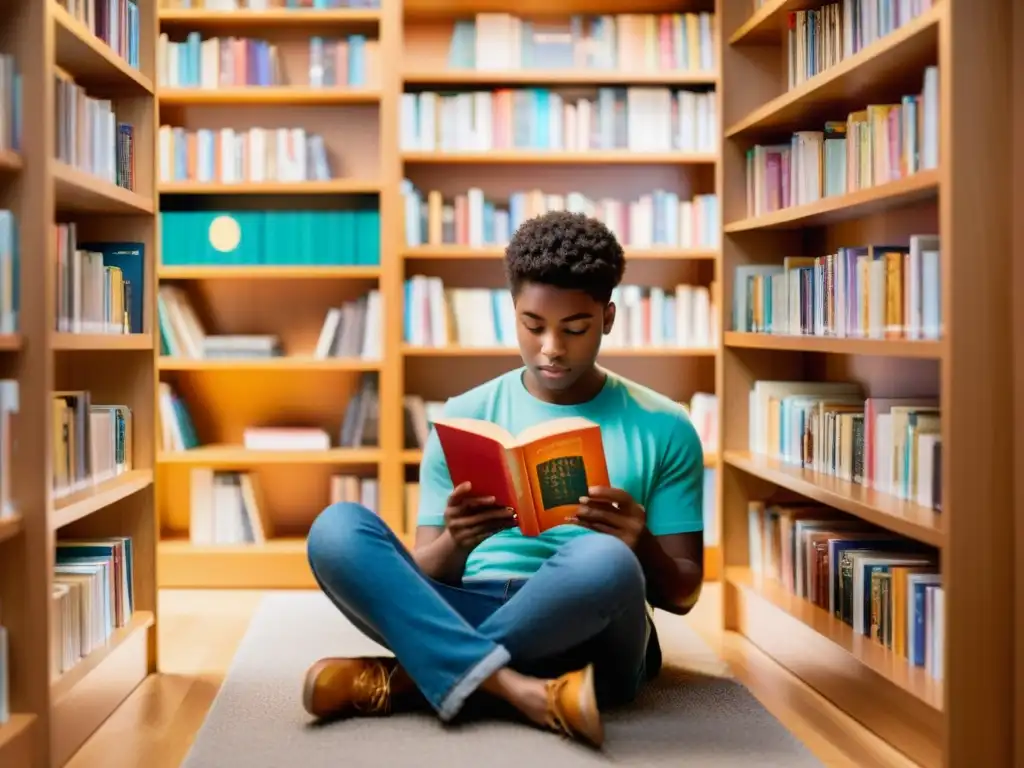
200 630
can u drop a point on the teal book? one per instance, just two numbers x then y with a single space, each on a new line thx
367 238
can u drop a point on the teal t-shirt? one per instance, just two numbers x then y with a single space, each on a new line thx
653 453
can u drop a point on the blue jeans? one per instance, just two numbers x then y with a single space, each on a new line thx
586 604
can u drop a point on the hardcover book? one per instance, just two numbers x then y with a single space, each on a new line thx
540 473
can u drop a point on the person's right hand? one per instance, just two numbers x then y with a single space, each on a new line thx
471 519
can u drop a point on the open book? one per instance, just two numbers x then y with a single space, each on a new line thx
541 473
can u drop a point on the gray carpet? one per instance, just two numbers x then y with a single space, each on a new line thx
692 715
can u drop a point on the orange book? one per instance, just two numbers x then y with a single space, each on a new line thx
540 473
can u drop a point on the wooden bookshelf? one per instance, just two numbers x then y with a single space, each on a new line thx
965 716
361 129
52 715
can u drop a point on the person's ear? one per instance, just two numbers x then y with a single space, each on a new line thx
609 318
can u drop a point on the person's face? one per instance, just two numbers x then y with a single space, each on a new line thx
559 332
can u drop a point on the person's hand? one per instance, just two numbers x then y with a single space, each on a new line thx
472 519
613 511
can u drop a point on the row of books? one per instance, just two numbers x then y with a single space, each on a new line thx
90 137
890 444
871 291
876 145
93 594
226 238
99 285
436 316
638 119
817 40
629 41
657 219
182 335
229 508
351 331
10 261
231 62
242 156
10 104
267 5
93 443
883 586
115 22
359 427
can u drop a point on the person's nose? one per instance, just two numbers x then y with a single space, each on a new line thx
552 347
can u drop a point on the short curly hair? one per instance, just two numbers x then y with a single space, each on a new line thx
565 250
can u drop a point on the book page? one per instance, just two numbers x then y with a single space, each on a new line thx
561 469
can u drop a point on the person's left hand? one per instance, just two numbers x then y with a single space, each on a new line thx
613 511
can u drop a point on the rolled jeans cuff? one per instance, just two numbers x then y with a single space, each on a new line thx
456 697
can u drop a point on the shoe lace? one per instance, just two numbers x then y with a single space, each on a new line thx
372 689
555 719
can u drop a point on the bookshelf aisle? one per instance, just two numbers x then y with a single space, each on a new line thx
866 476
76 398
328 395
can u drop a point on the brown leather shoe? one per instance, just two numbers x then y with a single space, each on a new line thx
572 707
354 686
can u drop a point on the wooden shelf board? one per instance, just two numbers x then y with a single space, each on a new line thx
906 518
277 564
905 348
767 23
269 272
11 342
558 77
879 73
10 526
82 192
87 58
898 701
16 741
333 187
458 252
919 186
10 160
412 351
288 363
65 684
556 157
75 506
275 17
88 693
94 342
266 96
227 456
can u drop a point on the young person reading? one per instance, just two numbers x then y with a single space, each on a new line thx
552 618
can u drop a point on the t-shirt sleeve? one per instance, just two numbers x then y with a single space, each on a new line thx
676 501
435 483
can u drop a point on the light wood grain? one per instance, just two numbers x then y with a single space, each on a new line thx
969 717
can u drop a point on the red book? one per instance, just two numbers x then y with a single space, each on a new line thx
540 473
